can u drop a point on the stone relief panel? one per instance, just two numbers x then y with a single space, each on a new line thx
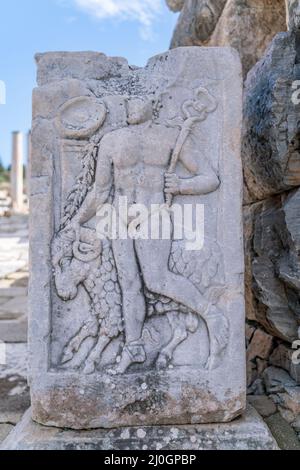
150 317
81 259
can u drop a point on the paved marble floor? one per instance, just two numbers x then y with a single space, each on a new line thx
14 392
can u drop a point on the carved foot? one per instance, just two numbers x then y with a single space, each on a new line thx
67 356
95 356
70 350
212 362
89 368
132 354
89 329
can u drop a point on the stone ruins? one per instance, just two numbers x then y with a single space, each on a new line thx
17 187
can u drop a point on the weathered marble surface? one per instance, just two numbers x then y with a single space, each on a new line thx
178 357
246 433
271 115
247 25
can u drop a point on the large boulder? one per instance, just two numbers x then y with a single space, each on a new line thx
273 265
271 121
175 5
247 25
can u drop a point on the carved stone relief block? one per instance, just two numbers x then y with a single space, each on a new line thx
139 329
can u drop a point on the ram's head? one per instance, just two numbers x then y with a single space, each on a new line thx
72 254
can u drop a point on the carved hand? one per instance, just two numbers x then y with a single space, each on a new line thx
172 184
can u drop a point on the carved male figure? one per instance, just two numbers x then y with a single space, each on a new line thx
134 162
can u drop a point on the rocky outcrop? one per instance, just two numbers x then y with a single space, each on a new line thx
271 140
247 25
197 22
271 160
275 265
175 5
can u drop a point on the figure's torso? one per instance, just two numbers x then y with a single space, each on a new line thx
141 155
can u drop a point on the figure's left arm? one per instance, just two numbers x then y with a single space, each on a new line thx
204 179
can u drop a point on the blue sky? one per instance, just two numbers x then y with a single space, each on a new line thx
135 29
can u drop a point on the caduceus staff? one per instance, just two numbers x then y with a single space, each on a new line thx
204 105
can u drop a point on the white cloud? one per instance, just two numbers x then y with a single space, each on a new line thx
144 12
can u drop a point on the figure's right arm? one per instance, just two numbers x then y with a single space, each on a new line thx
100 192
88 209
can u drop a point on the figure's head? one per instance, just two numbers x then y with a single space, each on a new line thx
139 111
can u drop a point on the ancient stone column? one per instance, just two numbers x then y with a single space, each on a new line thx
29 149
17 172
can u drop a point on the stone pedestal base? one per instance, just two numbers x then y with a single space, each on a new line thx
247 433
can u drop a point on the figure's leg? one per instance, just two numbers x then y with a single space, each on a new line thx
134 305
153 257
